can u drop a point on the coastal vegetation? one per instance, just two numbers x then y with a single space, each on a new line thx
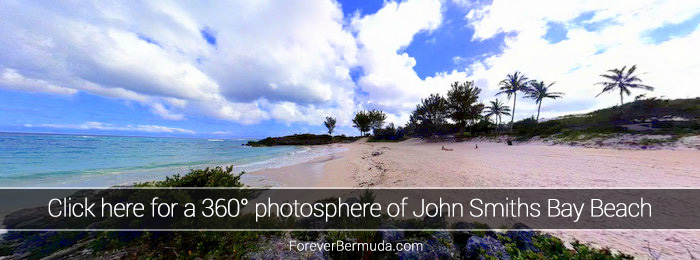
511 85
461 115
539 92
329 124
623 80
522 243
302 139
497 109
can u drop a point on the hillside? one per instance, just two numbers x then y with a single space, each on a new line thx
657 116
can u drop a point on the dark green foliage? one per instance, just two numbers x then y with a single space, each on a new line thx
539 91
330 124
389 133
622 80
302 139
185 244
208 177
511 85
462 103
362 121
430 117
376 118
496 109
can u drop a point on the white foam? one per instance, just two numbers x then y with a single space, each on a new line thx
302 155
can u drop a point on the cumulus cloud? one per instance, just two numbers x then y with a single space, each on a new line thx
389 78
291 62
104 126
575 62
194 57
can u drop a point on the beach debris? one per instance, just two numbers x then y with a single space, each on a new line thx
447 149
377 153
477 146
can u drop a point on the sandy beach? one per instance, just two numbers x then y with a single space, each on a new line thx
415 163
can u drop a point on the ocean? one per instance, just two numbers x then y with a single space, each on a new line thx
57 160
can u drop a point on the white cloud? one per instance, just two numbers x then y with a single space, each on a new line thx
154 53
297 68
575 63
104 126
10 79
389 77
159 109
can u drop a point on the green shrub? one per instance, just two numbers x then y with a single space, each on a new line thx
208 177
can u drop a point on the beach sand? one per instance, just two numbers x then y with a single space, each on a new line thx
415 163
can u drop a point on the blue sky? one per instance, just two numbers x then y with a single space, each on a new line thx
236 69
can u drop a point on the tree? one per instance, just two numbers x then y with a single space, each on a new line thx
330 124
623 81
539 91
511 85
377 118
462 103
497 109
362 122
430 116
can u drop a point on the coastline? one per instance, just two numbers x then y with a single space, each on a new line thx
416 163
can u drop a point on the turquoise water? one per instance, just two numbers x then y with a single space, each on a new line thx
33 160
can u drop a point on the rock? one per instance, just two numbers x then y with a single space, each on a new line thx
415 253
442 244
490 247
461 237
390 235
522 237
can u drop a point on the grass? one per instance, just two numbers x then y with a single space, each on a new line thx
608 121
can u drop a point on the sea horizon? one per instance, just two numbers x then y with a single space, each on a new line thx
62 160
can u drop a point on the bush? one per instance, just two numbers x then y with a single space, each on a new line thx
389 133
208 177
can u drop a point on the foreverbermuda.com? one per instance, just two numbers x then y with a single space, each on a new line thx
344 246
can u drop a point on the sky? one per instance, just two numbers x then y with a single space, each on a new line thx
237 69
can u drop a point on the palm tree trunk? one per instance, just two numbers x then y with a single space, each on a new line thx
512 117
538 111
498 123
621 102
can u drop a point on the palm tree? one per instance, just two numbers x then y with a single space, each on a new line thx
622 80
330 124
497 108
538 92
511 85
